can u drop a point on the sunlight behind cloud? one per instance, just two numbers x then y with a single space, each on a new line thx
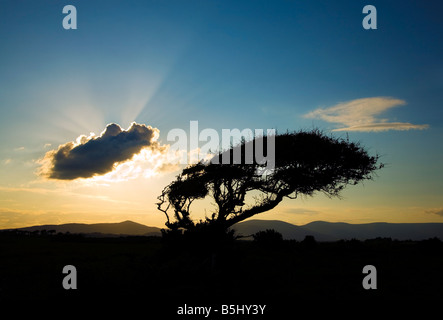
114 155
146 164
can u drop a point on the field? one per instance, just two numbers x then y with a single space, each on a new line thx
169 275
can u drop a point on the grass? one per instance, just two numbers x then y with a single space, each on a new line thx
147 269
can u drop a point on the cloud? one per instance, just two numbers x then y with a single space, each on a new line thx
301 211
362 115
438 211
93 155
10 218
399 126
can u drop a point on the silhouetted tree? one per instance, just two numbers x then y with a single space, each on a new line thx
304 163
269 236
309 242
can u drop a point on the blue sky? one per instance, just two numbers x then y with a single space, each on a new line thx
227 64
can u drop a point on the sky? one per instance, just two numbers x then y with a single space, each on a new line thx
106 94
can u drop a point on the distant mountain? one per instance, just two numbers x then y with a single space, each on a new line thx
400 231
321 230
125 228
332 231
288 231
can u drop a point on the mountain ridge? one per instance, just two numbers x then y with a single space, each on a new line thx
334 231
124 228
320 230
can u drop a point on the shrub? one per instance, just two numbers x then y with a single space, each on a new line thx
268 236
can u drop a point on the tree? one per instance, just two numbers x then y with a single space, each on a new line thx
304 163
269 236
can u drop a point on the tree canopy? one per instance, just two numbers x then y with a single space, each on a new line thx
305 162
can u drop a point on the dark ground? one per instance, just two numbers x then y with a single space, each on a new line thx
161 276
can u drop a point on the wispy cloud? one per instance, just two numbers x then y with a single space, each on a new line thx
61 192
363 115
437 211
302 211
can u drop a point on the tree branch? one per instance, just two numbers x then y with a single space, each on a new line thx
266 205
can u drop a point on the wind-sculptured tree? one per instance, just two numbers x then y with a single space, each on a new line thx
304 163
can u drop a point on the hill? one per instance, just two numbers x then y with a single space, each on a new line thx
321 230
125 228
398 231
333 231
289 231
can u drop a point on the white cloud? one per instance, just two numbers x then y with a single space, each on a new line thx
362 115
